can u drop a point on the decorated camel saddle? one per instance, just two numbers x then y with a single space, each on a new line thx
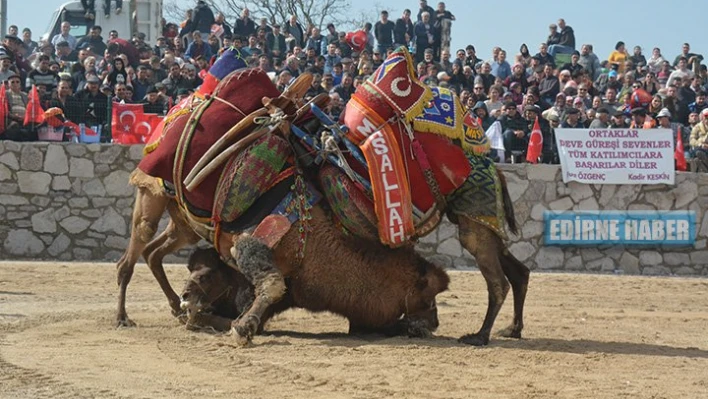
225 154
406 155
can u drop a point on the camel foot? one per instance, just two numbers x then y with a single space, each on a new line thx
510 332
474 340
244 329
124 322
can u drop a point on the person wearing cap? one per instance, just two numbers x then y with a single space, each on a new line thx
549 154
572 119
514 129
617 119
663 119
640 119
601 120
152 102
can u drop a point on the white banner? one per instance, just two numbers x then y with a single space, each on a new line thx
616 156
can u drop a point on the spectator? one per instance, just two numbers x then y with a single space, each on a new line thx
589 61
315 41
294 33
118 74
43 75
688 55
244 26
424 7
346 88
65 55
30 44
16 106
471 59
500 68
92 40
480 111
524 57
64 36
403 31
549 86
618 57
331 59
566 40
680 73
63 99
117 46
384 33
189 80
197 47
202 20
443 26
494 104
572 119
544 57
514 129
221 29
141 84
275 43
640 119
173 80
602 119
553 35
152 103
5 71
424 35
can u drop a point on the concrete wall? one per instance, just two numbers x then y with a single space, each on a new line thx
72 202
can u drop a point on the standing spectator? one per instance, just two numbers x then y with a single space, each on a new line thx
202 19
294 33
63 100
30 44
140 84
682 71
501 68
121 46
471 59
152 102
244 26
197 47
223 29
443 25
64 36
618 57
383 32
485 77
424 7
173 80
345 89
315 41
589 61
93 40
403 32
424 35
275 43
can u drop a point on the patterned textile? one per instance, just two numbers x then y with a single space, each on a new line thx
351 208
395 80
229 61
480 197
474 139
248 175
443 115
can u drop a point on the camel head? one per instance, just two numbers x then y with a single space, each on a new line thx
421 317
210 281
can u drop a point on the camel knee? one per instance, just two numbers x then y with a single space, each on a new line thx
145 230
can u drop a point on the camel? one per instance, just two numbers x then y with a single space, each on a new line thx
372 289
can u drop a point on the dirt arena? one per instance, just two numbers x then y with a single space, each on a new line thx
585 337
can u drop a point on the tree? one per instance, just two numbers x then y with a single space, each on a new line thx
315 12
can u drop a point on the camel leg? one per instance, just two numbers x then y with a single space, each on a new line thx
485 246
255 261
177 235
147 212
518 275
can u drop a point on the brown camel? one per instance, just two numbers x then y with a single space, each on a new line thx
372 289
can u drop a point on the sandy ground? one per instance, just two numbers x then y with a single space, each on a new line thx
585 337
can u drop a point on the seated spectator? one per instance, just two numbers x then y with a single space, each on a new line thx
5 71
346 88
655 62
480 110
699 142
640 119
501 68
514 129
196 48
602 118
494 103
572 119
93 40
64 100
189 80
140 84
638 58
152 102
544 57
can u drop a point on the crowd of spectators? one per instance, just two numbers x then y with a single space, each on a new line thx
561 85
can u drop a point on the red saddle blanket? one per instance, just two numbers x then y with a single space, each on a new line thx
242 93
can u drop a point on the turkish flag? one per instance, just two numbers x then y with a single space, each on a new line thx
356 40
125 123
3 107
679 155
535 143
34 112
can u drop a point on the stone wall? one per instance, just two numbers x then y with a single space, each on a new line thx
72 202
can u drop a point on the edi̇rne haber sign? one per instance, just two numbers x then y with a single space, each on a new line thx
616 156
619 227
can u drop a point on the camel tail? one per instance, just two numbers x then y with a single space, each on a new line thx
142 180
508 204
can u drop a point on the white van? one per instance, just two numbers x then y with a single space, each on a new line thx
136 16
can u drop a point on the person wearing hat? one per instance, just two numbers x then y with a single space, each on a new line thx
602 119
532 113
640 119
275 43
153 102
514 129
572 119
